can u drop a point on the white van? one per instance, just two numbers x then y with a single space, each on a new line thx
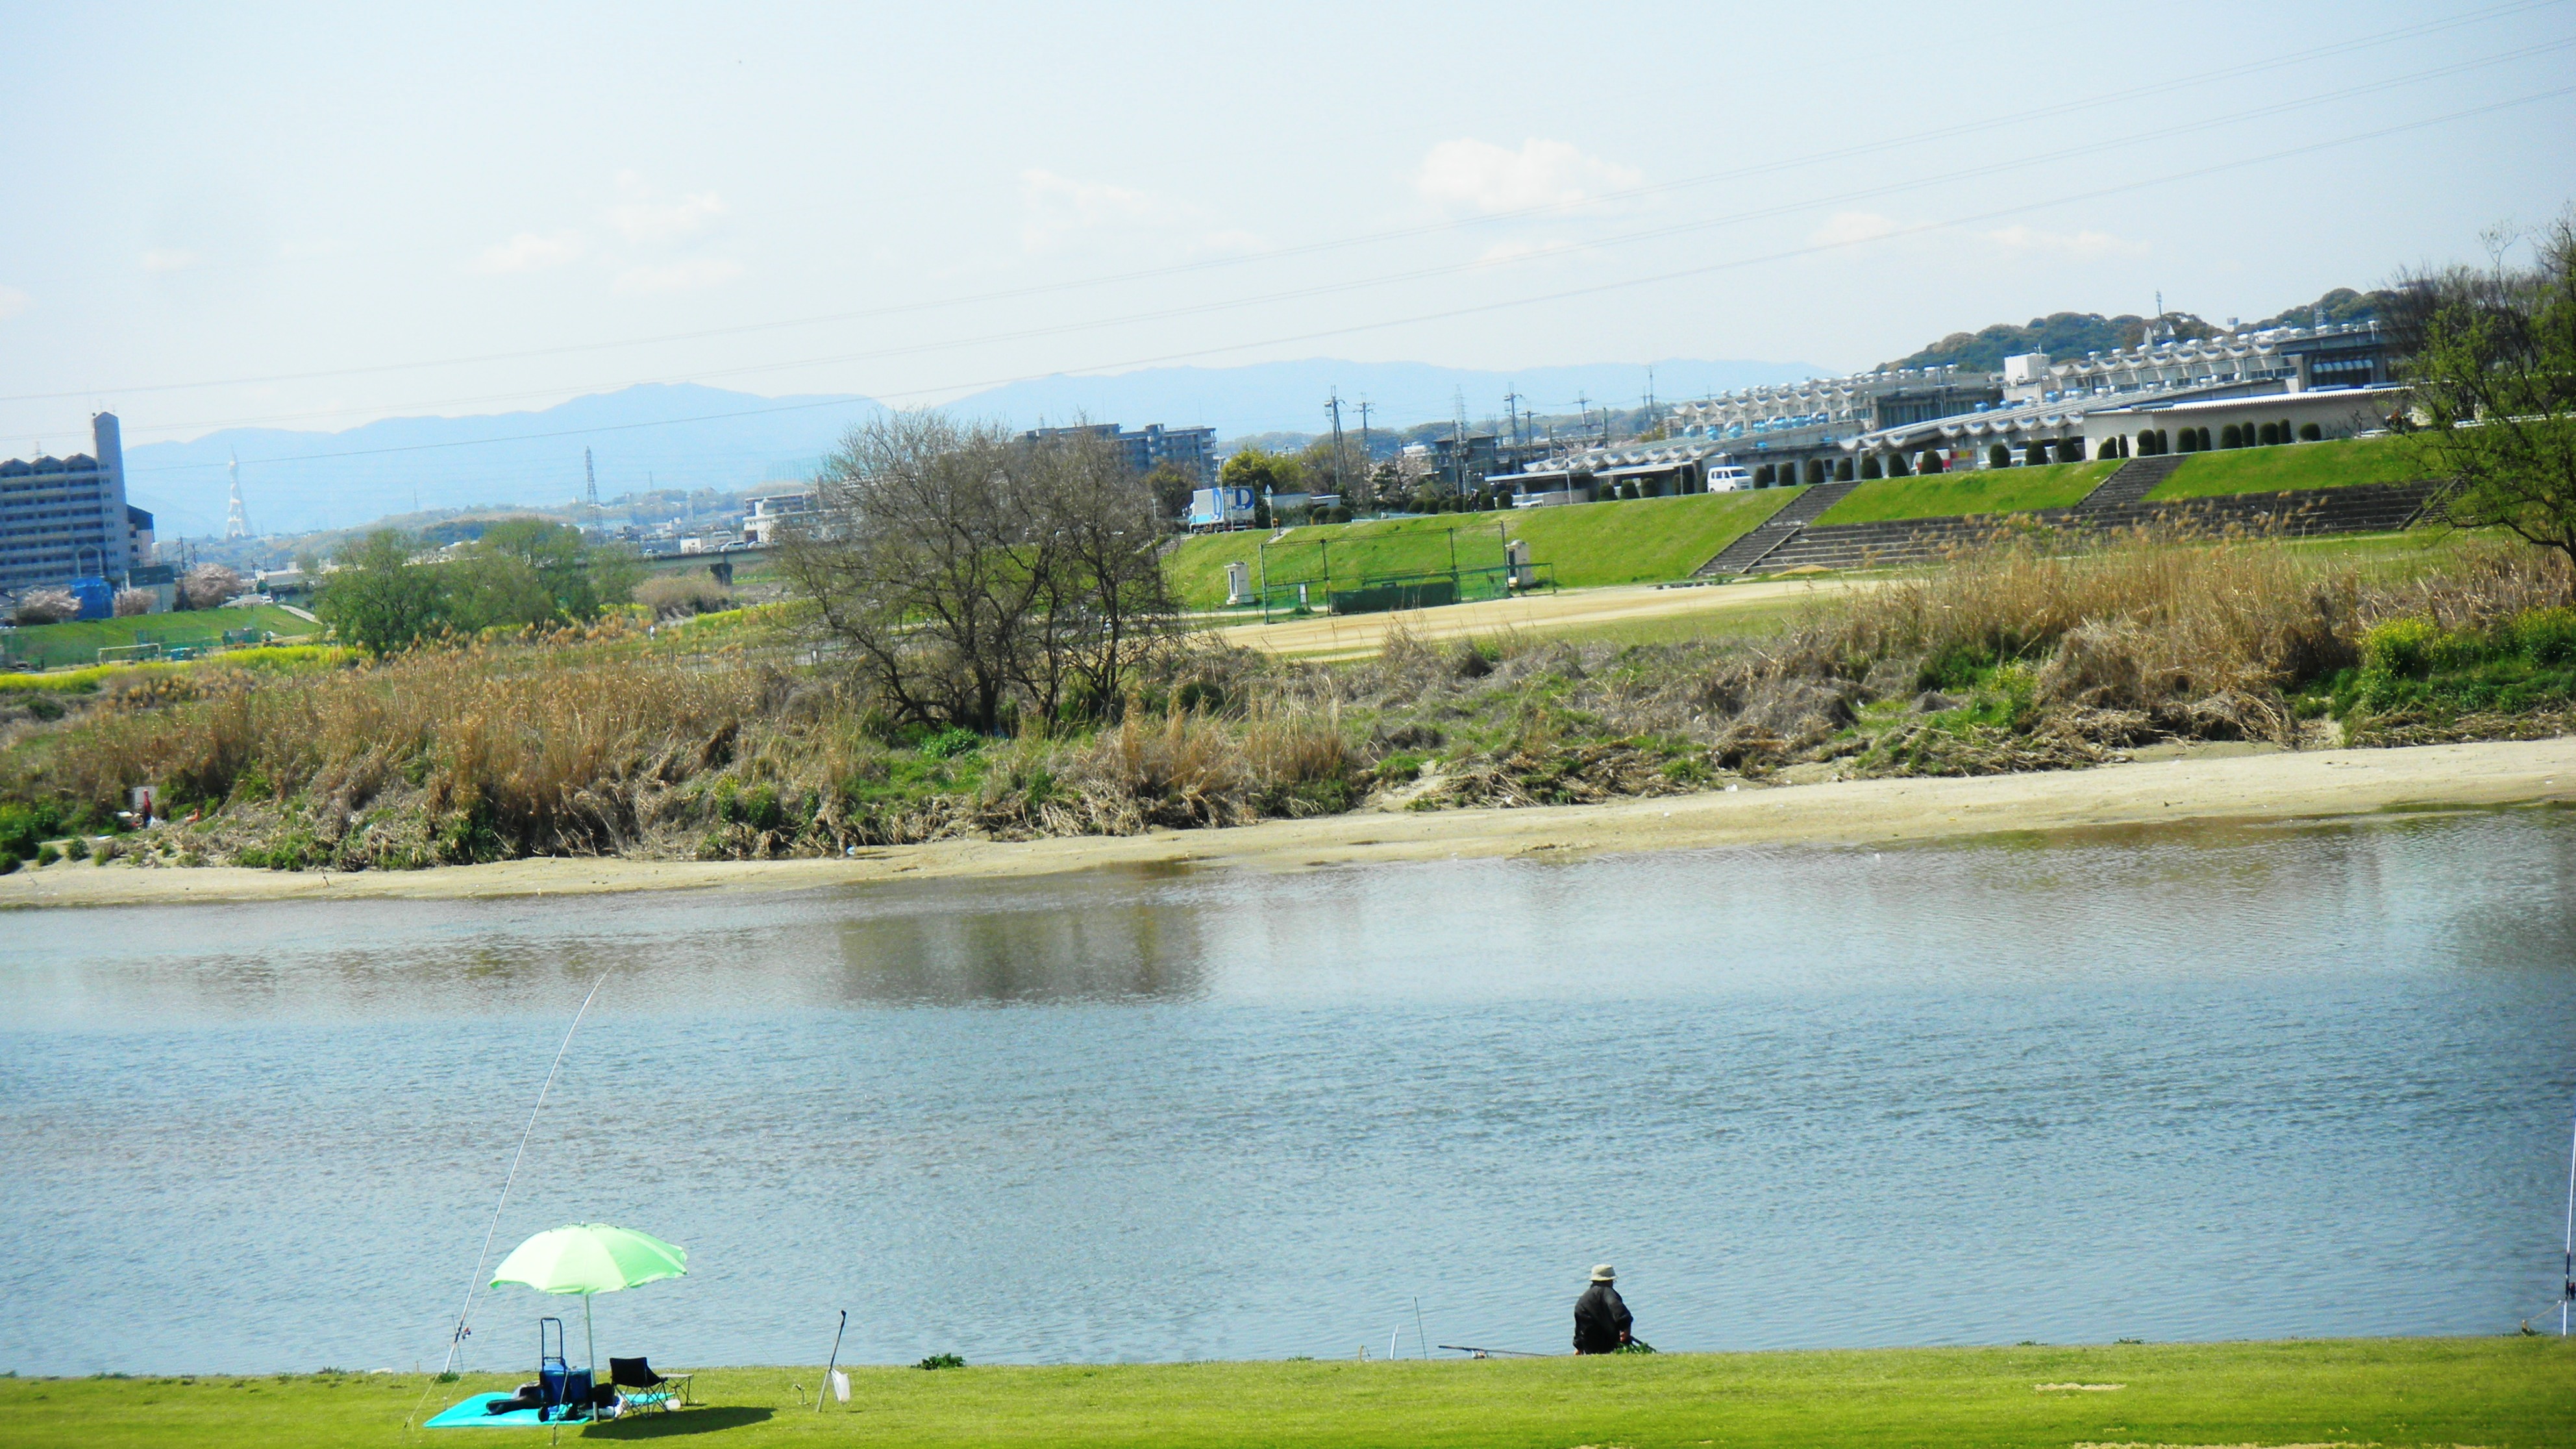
1729 480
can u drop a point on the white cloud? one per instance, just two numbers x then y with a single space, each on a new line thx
2074 244
1845 228
529 252
678 276
1058 212
168 259
645 218
1058 208
1481 176
13 302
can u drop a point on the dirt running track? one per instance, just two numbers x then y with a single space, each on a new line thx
1360 635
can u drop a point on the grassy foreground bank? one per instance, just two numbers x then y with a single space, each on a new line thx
2495 1392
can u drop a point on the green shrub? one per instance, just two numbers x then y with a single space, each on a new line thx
2311 433
2546 636
48 854
77 847
1869 467
1896 466
2401 647
23 827
1843 470
948 744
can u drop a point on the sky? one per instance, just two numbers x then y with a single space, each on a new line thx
311 217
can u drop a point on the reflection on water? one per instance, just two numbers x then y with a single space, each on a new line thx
2156 1083
943 950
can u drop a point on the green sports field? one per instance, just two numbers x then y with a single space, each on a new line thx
50 646
1586 544
2496 1392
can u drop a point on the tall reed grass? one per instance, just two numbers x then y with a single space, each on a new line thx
2010 657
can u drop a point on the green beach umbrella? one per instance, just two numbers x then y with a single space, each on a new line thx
589 1258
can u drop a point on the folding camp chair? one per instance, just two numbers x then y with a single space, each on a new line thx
645 1388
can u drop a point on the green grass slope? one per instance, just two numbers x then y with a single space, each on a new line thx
2497 1392
1988 490
78 642
2291 466
1587 544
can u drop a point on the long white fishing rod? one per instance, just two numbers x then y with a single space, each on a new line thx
2567 1254
456 1337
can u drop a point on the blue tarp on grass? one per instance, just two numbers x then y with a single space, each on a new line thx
472 1415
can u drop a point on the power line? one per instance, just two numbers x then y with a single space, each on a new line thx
1446 314
1953 131
1421 273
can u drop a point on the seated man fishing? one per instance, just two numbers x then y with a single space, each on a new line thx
1600 1317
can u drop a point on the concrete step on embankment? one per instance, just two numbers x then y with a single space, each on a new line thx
2130 483
1740 556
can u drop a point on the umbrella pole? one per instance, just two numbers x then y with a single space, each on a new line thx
589 1350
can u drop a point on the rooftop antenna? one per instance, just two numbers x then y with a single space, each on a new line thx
236 517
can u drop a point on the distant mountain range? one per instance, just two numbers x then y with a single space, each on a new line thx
687 436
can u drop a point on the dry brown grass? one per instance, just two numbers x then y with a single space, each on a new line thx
578 744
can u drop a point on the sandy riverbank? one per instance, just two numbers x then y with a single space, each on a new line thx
2208 784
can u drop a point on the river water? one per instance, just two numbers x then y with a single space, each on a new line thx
2179 1084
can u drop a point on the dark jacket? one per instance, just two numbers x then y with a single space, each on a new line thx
1600 1320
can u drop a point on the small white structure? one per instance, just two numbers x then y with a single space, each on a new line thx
1238 584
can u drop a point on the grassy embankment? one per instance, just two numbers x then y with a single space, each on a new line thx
1586 545
50 646
1988 490
2496 1392
2291 466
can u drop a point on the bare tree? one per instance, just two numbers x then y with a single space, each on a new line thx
972 576
1106 600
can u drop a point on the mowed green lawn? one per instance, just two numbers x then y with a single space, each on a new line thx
2291 466
78 642
1985 490
2496 1392
1586 544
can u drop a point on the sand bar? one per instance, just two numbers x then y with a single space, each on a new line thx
2206 785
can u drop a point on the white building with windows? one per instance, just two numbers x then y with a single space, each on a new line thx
67 518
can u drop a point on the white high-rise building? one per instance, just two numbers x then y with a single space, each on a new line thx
67 518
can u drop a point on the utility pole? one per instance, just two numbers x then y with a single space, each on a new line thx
1512 410
1368 468
1458 400
1335 404
1583 415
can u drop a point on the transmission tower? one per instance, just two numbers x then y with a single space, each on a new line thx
236 516
590 487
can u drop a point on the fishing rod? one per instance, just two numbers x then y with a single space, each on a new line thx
1494 1352
456 1336
2567 1252
833 1366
